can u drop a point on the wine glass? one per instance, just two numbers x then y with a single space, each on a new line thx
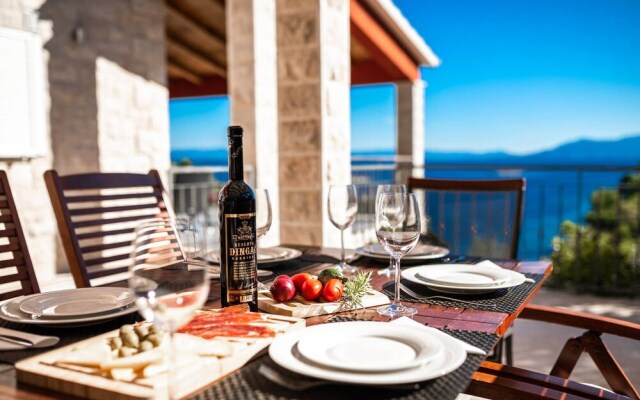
398 231
343 206
389 189
263 212
168 283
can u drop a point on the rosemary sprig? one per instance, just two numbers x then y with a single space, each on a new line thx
355 289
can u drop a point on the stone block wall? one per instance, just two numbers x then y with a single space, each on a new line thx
106 82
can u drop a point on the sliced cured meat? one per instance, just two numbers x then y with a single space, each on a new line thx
226 323
231 330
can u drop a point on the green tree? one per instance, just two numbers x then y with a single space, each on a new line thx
603 252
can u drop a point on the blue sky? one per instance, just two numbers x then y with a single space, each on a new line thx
517 76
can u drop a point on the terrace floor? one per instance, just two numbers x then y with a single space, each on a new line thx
533 350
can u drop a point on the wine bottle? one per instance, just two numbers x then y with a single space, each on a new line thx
237 213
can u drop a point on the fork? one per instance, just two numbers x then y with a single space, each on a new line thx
423 297
299 383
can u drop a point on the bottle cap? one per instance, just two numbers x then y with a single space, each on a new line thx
235 131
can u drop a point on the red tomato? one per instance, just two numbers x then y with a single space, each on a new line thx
298 280
311 289
333 290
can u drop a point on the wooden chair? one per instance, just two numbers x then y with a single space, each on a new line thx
97 214
18 277
497 381
473 217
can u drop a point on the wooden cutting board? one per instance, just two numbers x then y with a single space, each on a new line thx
301 308
200 372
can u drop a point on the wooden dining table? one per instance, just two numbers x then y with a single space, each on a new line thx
313 260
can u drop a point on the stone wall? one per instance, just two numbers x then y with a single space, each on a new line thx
313 104
108 111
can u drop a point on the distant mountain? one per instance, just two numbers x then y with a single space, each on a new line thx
622 152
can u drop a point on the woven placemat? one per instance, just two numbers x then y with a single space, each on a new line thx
248 383
502 300
66 335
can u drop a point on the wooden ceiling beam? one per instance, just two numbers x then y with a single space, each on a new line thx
210 86
179 22
194 60
384 50
176 71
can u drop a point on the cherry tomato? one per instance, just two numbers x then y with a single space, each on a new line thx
333 290
311 289
298 280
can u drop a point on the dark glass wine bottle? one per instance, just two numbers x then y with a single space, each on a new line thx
237 213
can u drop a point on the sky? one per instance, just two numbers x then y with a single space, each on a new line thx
516 76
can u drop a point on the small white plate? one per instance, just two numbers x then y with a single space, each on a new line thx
418 253
465 276
265 256
284 352
412 274
10 311
380 348
77 303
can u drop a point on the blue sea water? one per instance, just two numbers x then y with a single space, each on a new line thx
552 196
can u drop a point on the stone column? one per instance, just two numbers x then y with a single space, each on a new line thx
253 93
410 129
313 103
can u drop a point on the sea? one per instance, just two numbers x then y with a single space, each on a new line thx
554 193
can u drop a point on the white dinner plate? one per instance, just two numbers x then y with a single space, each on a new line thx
419 253
462 275
265 256
77 303
284 352
380 348
413 275
10 311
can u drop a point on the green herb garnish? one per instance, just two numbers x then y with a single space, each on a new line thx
355 289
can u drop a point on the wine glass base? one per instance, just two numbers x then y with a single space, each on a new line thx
396 310
387 271
347 269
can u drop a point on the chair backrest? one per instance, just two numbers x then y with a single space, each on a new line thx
17 277
473 217
97 214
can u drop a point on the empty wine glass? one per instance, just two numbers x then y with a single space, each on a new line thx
169 287
389 189
398 231
263 212
343 206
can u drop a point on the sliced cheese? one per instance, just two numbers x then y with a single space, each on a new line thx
136 361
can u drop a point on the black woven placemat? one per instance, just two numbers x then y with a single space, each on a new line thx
502 300
248 383
66 335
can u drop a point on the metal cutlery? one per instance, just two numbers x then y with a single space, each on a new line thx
16 340
300 383
410 292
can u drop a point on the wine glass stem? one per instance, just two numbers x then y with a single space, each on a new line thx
342 247
396 268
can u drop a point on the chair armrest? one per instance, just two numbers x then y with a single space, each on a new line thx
582 320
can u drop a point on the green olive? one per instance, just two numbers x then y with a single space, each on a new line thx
127 351
141 331
145 345
115 343
130 339
154 338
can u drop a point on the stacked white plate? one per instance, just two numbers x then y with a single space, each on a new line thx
266 256
72 307
368 353
464 278
419 253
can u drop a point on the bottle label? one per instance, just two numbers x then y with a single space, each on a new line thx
241 273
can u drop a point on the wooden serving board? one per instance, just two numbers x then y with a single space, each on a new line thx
200 372
301 308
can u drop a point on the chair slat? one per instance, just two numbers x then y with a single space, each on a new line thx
20 275
133 207
111 197
6 218
105 260
99 222
107 272
9 247
8 233
101 247
100 234
14 262
4 204
102 180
